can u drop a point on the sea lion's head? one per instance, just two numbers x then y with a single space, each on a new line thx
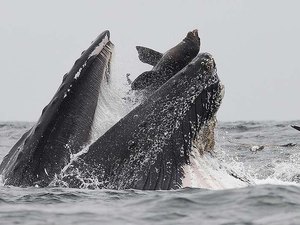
193 37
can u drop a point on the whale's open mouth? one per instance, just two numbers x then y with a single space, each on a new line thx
146 149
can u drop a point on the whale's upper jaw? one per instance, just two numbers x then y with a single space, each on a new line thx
192 104
65 124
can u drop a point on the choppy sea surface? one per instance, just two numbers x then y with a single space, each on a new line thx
274 198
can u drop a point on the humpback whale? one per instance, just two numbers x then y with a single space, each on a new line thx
153 147
150 147
165 65
65 124
296 127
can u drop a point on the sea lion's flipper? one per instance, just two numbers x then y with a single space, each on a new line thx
149 56
296 127
144 80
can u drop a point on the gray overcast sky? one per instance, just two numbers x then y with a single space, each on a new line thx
255 44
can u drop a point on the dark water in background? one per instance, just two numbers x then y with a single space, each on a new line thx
274 200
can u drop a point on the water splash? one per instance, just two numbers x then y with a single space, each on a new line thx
207 171
277 164
110 109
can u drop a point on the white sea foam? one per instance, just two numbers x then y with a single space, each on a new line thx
1 181
206 171
283 173
274 181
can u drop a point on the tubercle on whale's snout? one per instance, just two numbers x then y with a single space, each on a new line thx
205 62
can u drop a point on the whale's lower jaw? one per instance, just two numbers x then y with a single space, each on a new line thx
64 127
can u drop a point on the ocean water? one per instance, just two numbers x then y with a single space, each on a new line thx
272 198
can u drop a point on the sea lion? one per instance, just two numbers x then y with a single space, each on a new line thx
166 65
